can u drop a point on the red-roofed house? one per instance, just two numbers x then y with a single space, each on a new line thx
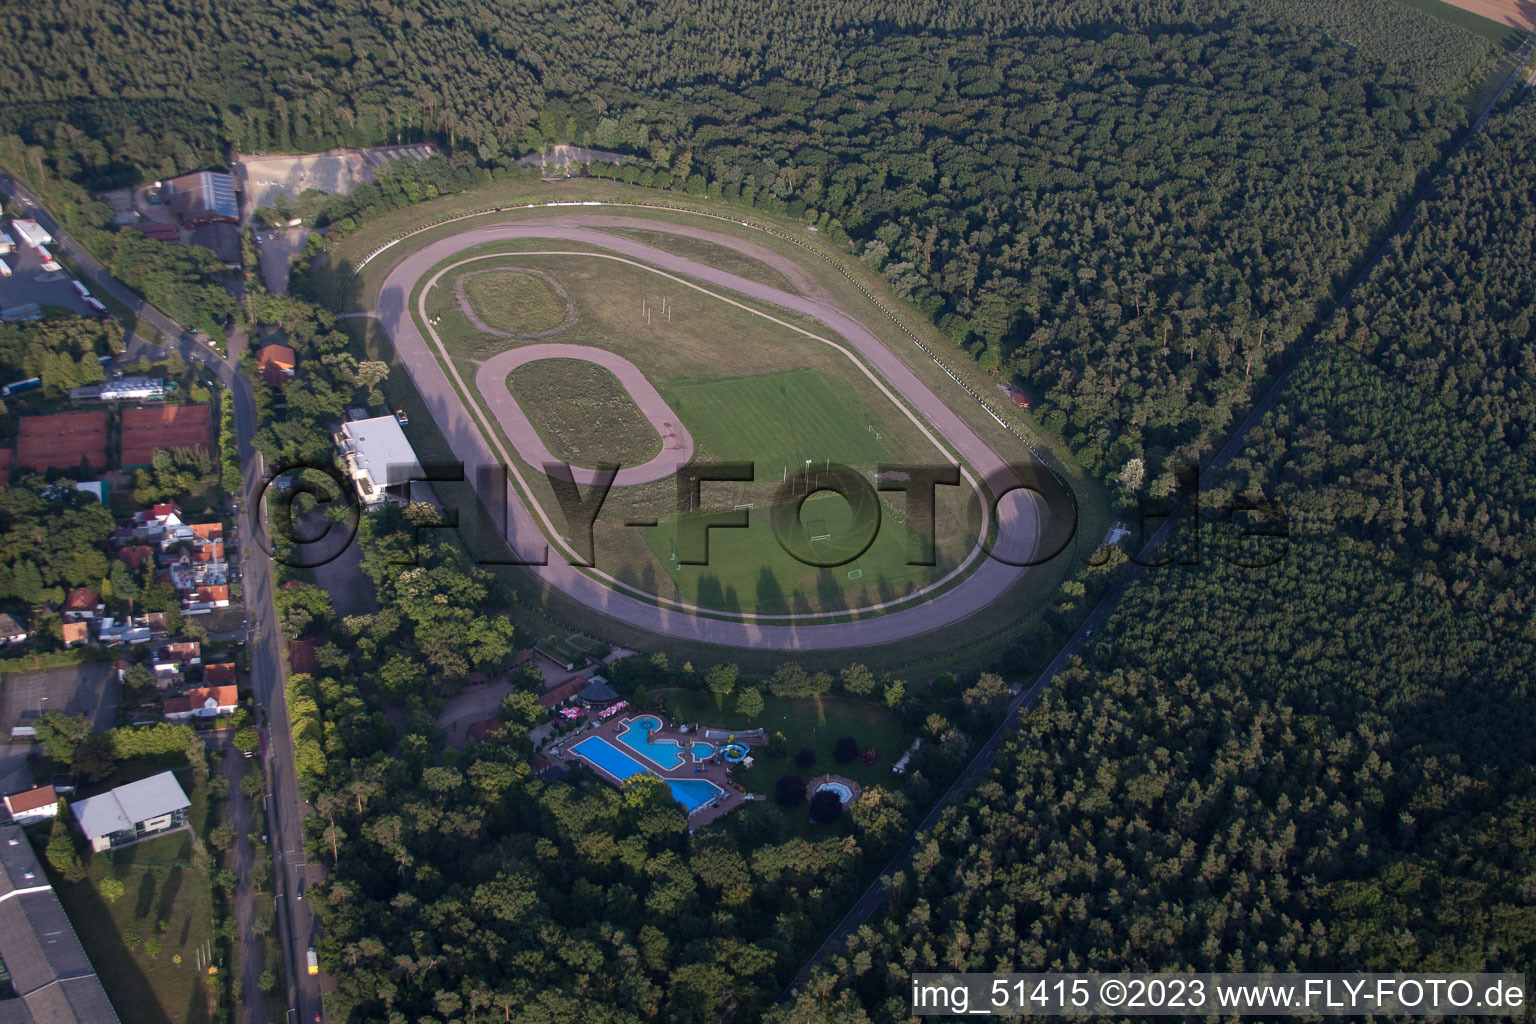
189 651
224 672
82 603
202 702
276 363
137 556
212 552
33 804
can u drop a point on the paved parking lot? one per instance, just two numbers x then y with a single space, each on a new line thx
30 283
75 689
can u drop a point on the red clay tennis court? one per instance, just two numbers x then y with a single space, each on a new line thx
60 440
168 426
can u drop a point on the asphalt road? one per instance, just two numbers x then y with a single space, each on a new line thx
286 809
476 445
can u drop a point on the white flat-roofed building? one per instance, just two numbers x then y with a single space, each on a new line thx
132 388
379 459
132 812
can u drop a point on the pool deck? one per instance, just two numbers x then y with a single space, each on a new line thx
715 770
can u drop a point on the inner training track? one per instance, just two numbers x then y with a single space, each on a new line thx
491 382
472 443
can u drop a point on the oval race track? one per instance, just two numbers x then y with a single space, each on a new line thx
491 382
476 447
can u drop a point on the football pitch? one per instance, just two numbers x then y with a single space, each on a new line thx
790 425
778 421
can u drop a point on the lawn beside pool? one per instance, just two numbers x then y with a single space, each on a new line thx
814 722
167 908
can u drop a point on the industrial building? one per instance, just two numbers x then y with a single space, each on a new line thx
47 967
206 197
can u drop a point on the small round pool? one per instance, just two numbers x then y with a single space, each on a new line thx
844 794
702 751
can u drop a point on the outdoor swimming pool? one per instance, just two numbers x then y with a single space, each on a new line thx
702 751
608 757
844 794
665 753
692 793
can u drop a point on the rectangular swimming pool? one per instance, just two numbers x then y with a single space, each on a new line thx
691 793
608 757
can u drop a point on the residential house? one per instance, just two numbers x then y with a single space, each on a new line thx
137 557
12 629
276 363
202 702
224 672
151 526
32 804
198 535
76 633
82 603
205 599
185 574
188 651
129 631
132 812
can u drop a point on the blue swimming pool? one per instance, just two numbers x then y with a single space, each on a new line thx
844 794
664 754
702 751
692 793
608 757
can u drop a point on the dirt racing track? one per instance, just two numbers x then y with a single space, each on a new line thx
491 382
975 584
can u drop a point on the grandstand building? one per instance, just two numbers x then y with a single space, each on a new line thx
379 458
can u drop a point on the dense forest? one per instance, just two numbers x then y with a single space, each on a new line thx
1133 209
1130 208
1322 765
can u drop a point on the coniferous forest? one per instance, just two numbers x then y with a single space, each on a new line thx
1322 765
1136 212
